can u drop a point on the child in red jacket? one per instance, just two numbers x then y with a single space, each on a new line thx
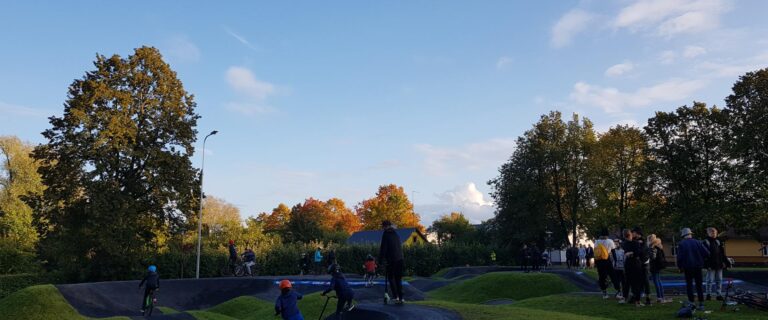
370 270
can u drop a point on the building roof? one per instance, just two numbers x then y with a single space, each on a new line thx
374 236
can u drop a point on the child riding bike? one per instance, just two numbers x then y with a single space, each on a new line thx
152 279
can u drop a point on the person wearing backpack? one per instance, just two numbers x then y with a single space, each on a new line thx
715 264
658 263
603 247
617 276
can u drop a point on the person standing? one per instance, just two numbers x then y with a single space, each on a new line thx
535 257
645 261
715 264
658 263
318 261
691 255
569 257
590 255
582 257
603 248
618 278
391 252
525 256
632 267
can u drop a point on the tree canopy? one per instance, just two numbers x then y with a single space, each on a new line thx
117 166
390 203
18 179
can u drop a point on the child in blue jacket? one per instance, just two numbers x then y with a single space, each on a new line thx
286 304
344 292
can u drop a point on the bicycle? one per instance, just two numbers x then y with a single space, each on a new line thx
241 269
747 298
149 303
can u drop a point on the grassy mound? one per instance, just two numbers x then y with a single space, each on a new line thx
502 285
38 302
595 306
485 312
247 308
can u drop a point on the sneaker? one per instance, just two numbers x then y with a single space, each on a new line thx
622 301
709 297
350 306
647 302
638 304
605 295
619 295
719 298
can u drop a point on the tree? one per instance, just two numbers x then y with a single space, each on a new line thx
545 181
307 220
690 166
277 221
117 167
18 179
221 221
342 219
452 227
747 111
616 173
390 203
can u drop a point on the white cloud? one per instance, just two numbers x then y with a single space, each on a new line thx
569 25
181 49
693 51
441 161
503 62
466 198
22 111
667 57
243 81
241 39
466 194
254 91
612 100
619 69
672 17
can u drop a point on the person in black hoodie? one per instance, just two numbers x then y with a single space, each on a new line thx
391 255
715 264
152 279
344 292
633 267
535 258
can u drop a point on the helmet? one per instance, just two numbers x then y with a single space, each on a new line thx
334 268
285 284
231 242
152 268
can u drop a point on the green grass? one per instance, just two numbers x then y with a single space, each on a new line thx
39 302
595 306
440 273
248 308
485 312
166 310
502 285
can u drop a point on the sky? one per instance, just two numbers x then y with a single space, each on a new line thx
335 98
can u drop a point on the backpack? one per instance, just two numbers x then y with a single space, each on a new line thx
617 256
685 312
601 252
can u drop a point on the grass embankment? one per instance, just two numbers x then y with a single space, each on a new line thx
502 285
39 302
250 308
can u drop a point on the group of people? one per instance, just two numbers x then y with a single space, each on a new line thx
633 261
580 257
531 258
248 257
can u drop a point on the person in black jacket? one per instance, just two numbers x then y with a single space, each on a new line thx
633 267
535 258
715 264
645 262
391 255
152 279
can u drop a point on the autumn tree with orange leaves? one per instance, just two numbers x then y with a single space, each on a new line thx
390 203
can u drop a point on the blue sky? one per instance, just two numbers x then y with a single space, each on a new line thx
334 98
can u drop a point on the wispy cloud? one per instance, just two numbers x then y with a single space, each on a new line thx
22 111
466 198
619 69
443 161
612 100
254 92
503 62
669 18
568 26
180 48
241 39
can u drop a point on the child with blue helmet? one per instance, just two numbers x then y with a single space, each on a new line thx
152 279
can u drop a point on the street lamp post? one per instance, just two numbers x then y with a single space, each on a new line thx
200 214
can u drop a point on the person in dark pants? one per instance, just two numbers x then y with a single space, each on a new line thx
632 267
617 277
590 256
391 254
535 257
344 292
691 255
645 262
603 248
525 257
152 279
232 255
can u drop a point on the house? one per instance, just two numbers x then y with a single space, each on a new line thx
745 250
407 235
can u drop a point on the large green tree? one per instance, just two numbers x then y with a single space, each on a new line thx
117 167
690 166
390 203
18 179
747 110
452 227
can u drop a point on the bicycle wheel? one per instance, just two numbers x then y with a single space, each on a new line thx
239 271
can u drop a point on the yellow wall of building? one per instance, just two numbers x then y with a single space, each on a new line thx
743 248
414 235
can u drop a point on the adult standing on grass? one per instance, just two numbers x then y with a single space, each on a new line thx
603 248
645 261
525 256
717 261
535 257
691 255
590 255
569 257
618 278
391 254
632 267
582 257
658 263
